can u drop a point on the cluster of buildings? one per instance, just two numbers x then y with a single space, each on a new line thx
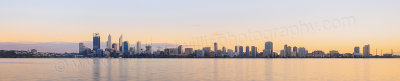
32 53
123 49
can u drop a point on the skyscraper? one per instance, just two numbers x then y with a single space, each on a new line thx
126 48
138 47
287 51
356 51
207 51
121 44
253 51
247 51
294 53
180 49
268 49
215 47
109 45
236 49
366 51
241 51
302 52
223 50
148 50
82 48
96 41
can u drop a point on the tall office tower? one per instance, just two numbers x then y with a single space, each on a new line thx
96 41
148 50
356 51
247 51
285 48
82 48
115 46
215 47
294 53
253 51
138 47
366 51
126 48
282 53
180 49
236 49
269 49
223 50
301 52
121 44
109 45
207 51
241 51
289 51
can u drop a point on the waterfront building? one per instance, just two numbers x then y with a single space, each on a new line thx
268 50
121 44
188 51
126 48
96 41
366 51
138 47
109 45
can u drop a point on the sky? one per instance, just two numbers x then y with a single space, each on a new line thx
315 24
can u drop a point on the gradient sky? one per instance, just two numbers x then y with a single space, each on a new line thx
202 22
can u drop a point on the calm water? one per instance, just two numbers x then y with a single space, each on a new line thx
199 69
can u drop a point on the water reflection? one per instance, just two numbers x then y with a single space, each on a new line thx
100 69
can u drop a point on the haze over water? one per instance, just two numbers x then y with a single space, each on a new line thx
199 69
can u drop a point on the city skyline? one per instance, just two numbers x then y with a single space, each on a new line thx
104 46
267 51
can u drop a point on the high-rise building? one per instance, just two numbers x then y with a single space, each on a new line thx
356 51
121 44
215 47
207 51
223 50
115 46
236 49
148 49
82 48
269 49
282 53
96 41
138 47
287 51
366 51
126 48
109 46
247 51
230 53
180 49
253 51
241 53
294 52
302 52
